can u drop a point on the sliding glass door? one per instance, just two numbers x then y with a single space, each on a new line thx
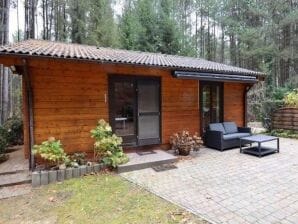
211 103
135 109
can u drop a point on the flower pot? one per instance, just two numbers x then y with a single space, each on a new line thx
184 149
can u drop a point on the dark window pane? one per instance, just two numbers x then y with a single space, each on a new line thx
148 98
124 108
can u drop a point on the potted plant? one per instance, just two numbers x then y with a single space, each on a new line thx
183 142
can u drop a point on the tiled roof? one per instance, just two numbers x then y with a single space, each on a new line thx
77 51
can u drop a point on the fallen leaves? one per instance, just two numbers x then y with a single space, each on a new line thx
51 199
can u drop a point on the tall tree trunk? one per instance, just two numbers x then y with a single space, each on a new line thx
209 56
4 7
18 20
233 55
30 11
222 49
197 32
202 53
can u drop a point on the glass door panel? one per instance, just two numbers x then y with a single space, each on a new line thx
211 107
123 110
148 112
205 106
216 103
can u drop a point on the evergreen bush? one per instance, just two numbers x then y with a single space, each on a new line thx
3 139
14 127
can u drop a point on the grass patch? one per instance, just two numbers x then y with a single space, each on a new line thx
105 198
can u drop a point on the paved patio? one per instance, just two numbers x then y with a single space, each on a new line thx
16 162
229 187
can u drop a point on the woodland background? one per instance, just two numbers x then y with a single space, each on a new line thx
255 34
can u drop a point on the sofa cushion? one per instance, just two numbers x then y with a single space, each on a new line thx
230 127
217 127
235 136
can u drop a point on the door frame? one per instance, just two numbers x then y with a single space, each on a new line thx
221 93
134 79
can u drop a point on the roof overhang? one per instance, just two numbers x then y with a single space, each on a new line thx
206 76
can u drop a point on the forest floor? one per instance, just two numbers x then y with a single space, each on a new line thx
103 198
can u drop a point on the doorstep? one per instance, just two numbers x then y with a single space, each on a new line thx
146 159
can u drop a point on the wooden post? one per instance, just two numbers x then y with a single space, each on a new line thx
29 102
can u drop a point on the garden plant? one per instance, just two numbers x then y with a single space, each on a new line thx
107 146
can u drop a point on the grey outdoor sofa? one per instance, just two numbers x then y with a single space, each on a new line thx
224 135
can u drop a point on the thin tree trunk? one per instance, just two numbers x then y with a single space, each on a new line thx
222 50
202 53
4 6
196 25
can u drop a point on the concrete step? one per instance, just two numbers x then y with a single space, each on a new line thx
138 161
16 190
14 172
15 179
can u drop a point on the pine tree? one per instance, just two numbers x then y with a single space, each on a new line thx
168 29
129 27
102 29
78 12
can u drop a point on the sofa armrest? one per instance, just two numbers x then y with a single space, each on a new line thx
213 139
244 130
215 134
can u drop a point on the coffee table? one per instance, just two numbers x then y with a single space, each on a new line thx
258 150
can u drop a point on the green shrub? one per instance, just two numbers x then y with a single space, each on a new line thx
279 93
52 152
79 158
107 146
3 139
291 98
14 127
284 133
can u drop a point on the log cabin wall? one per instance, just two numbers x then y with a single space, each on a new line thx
234 103
69 98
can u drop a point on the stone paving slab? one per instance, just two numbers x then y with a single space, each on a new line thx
229 187
138 161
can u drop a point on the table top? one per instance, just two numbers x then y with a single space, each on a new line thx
259 138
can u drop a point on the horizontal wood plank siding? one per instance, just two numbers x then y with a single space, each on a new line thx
69 98
234 102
